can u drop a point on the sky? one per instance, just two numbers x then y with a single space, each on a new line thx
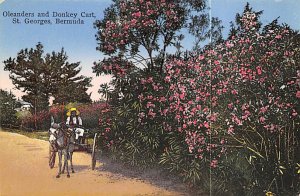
79 41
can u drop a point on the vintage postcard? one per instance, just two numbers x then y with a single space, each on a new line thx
149 97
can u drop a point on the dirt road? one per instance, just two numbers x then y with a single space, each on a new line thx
24 170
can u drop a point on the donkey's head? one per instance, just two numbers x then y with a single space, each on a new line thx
53 132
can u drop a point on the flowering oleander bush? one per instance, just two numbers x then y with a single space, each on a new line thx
124 136
39 121
230 112
90 114
255 82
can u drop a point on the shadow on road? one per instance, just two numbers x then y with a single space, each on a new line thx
79 168
154 176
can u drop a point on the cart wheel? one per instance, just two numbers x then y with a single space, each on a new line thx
94 153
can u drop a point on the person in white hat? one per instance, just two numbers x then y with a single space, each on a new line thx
74 121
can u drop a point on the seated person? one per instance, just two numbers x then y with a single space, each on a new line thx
74 121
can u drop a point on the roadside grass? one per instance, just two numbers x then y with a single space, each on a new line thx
42 135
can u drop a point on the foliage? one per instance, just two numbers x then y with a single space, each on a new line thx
23 114
90 114
124 135
7 108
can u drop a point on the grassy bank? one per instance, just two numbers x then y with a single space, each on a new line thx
42 135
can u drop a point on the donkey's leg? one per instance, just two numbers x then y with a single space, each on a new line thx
59 163
63 169
66 162
71 162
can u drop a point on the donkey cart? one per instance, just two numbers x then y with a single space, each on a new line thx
83 145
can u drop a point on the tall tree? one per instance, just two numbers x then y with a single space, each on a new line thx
43 76
26 73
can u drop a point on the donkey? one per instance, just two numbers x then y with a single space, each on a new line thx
62 139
